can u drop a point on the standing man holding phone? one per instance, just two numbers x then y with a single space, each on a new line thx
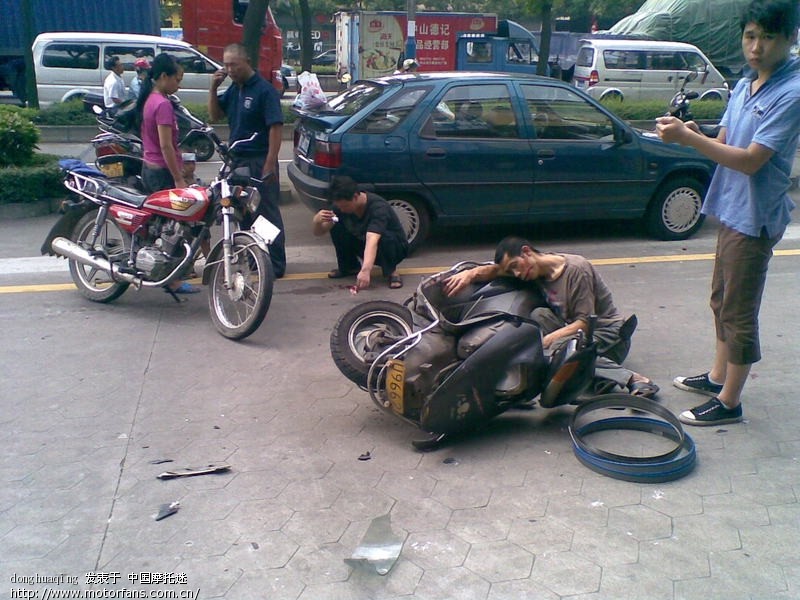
252 105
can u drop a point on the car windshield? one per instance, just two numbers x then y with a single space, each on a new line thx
354 99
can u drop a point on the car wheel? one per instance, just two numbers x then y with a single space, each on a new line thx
674 211
415 219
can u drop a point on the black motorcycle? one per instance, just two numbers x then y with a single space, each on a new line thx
193 134
680 106
447 364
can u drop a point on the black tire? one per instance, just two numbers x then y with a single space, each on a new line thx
368 328
113 242
285 84
674 211
414 217
203 148
239 312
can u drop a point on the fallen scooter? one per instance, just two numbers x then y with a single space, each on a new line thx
448 364
680 106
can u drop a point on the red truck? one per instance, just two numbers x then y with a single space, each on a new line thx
210 25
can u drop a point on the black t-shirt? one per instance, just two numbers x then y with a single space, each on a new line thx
379 217
254 108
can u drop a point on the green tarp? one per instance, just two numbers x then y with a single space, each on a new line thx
711 25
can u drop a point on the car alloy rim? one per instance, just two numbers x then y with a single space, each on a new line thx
409 219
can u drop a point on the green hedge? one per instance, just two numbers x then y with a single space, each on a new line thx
40 179
646 110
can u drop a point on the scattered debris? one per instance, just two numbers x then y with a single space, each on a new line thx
450 461
190 471
166 510
380 546
365 456
160 461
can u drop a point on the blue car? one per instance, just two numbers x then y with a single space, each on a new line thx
464 148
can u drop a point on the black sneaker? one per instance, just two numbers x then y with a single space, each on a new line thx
700 384
712 412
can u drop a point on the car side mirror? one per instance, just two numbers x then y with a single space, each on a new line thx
622 135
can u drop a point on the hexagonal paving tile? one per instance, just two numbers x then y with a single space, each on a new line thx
435 550
499 561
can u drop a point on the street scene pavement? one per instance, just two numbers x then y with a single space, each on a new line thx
98 400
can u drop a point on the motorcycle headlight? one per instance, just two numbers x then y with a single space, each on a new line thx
253 199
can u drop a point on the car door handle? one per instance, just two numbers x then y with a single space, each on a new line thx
435 153
545 154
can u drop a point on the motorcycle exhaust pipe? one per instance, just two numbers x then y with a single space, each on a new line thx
69 249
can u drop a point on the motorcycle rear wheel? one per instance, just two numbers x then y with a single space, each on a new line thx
113 243
203 148
368 328
238 312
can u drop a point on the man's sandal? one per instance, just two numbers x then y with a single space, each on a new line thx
395 282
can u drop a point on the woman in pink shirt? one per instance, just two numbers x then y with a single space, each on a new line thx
163 168
163 164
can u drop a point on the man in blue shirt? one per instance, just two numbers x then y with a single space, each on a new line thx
253 105
749 195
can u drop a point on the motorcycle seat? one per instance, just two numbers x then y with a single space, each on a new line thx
123 193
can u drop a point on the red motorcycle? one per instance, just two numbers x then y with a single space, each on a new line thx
114 237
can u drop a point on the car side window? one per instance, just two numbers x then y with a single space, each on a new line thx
71 56
390 114
561 114
473 111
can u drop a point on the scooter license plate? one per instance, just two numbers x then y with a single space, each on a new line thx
395 383
112 169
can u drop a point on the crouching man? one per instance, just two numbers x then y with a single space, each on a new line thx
365 232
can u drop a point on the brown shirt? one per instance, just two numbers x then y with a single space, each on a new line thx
579 292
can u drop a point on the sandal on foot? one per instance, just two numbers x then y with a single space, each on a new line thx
337 274
645 389
395 282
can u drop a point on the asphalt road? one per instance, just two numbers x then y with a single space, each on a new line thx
93 397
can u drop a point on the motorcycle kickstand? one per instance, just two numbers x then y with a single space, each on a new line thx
433 443
174 295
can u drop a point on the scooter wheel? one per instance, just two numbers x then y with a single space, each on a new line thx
363 332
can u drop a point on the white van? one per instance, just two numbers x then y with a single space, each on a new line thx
72 64
644 70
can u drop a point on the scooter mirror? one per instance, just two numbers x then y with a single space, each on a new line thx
691 76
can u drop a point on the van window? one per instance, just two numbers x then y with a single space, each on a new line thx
71 56
585 57
625 59
559 114
192 62
662 60
129 54
691 61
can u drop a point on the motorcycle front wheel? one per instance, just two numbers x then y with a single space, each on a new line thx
114 244
239 310
365 331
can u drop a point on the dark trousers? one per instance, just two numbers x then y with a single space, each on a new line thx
156 179
349 249
270 194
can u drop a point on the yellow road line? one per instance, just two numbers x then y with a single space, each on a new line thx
60 287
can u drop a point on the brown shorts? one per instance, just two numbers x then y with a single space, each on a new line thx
740 272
